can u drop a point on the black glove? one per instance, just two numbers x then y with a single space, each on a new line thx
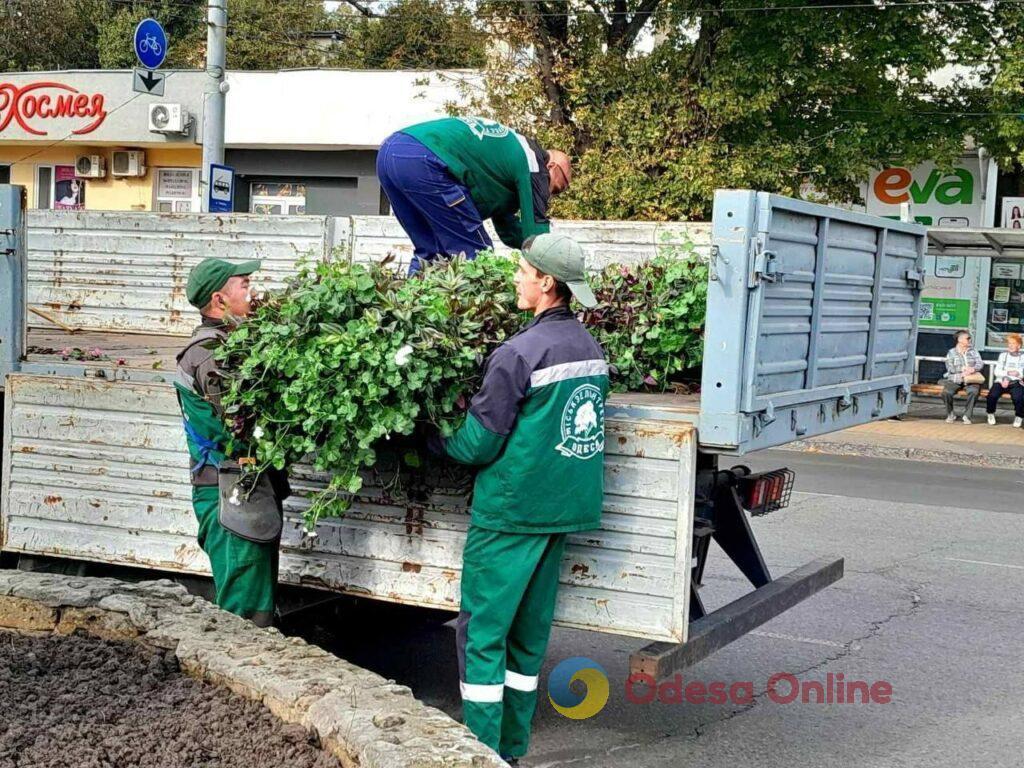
429 436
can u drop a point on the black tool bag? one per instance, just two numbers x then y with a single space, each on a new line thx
249 508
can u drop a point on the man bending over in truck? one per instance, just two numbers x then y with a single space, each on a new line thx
244 572
536 430
445 177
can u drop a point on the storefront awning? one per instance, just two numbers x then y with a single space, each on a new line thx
982 243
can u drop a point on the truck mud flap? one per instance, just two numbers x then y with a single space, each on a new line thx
719 628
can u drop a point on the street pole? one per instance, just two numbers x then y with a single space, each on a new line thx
215 92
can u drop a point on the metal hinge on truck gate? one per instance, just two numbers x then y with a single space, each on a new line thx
763 264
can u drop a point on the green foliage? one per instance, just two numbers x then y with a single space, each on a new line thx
650 319
273 34
784 100
349 358
97 34
1002 132
262 35
412 34
50 34
350 355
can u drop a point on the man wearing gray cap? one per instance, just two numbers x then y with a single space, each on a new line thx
244 568
536 429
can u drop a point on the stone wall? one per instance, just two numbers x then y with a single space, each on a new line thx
361 718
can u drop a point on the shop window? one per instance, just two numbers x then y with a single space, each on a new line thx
1005 302
58 187
276 198
176 190
44 187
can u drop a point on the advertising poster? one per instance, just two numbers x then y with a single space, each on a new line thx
945 313
1013 212
68 191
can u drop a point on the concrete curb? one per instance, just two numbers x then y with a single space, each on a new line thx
908 453
361 718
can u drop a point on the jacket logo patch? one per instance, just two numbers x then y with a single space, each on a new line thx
583 424
484 128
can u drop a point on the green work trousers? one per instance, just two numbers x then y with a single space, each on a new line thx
509 585
244 573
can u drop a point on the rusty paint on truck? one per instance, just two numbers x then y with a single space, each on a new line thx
630 577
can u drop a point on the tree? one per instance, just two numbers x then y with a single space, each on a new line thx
92 34
274 34
412 34
1001 130
49 34
182 20
728 96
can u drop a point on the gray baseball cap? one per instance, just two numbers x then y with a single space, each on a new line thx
561 257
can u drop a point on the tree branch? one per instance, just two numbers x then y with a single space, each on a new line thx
598 9
546 59
711 28
619 22
623 36
363 9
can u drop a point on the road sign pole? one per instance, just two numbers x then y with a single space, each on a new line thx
216 89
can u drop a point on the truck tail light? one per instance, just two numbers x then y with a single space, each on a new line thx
766 491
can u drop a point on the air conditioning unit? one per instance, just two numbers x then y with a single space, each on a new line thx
90 167
169 118
128 163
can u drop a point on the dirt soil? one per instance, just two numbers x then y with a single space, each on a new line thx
79 702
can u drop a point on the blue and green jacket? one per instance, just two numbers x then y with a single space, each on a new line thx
506 173
536 427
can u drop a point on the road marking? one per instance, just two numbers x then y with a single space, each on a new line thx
809 640
985 562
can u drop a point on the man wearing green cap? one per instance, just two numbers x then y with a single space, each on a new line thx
536 430
244 572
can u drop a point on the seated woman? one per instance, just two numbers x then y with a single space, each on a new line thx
963 371
1008 375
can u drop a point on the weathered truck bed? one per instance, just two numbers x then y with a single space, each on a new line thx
811 326
97 469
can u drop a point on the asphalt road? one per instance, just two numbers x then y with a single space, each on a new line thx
931 604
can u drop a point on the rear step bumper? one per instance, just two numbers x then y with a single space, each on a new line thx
721 627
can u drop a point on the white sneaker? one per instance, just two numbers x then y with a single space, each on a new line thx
950 419
991 418
966 420
1017 422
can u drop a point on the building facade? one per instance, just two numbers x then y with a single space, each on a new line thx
300 140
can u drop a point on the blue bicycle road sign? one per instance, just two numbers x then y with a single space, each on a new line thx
150 43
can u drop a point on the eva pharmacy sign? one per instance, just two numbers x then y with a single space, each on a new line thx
950 197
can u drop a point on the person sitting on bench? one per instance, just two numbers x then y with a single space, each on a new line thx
963 371
1008 375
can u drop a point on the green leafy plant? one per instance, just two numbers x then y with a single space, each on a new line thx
350 355
650 318
346 361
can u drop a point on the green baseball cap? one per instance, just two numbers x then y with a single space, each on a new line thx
210 275
561 257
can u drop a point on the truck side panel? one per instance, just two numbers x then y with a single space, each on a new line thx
97 470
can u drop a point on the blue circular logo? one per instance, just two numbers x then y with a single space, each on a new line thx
150 43
569 703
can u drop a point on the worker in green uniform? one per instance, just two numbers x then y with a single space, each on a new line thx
445 177
536 430
244 572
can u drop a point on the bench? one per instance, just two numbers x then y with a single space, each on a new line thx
935 390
